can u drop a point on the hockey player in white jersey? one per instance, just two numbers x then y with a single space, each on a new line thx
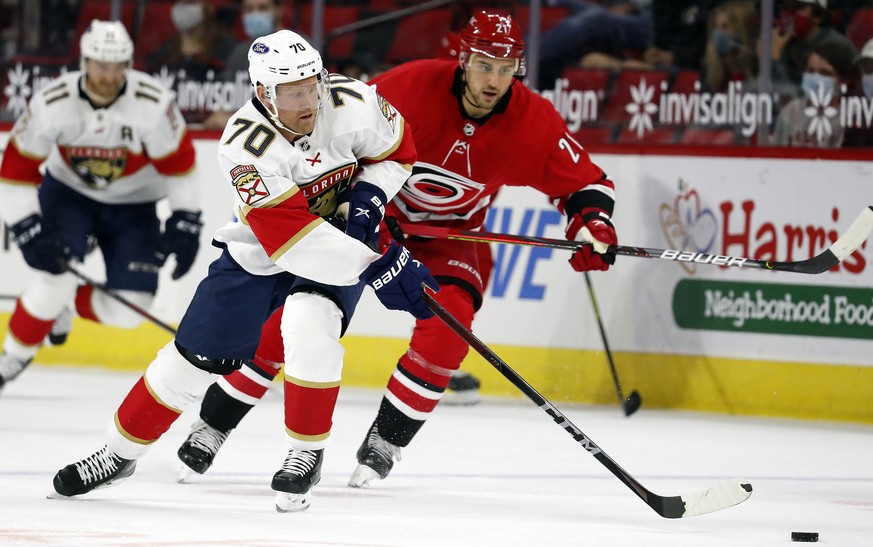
308 155
114 143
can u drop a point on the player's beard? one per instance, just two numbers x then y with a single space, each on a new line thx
474 98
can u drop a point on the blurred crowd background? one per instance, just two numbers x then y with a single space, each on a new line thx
650 72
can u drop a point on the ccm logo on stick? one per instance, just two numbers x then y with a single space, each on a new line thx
703 258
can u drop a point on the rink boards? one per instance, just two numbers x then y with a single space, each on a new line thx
688 336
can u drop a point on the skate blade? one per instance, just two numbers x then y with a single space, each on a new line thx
185 473
362 477
462 398
292 503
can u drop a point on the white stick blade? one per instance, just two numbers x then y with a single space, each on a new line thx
715 498
857 234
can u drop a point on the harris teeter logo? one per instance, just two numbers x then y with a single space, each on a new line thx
803 310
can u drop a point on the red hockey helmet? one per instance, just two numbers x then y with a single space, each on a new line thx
493 35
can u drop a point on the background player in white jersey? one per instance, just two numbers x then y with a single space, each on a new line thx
114 143
477 129
289 156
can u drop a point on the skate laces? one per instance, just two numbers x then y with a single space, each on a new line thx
383 448
206 437
299 462
98 466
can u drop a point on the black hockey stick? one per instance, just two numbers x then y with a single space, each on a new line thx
857 233
633 401
715 498
119 298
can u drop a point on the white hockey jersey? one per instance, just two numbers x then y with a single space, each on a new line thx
283 190
120 153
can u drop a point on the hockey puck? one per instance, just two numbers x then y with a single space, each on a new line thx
810 537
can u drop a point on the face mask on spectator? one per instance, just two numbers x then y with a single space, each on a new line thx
802 24
867 84
812 82
725 43
186 16
257 23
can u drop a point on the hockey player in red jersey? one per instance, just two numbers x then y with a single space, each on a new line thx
477 129
114 143
308 155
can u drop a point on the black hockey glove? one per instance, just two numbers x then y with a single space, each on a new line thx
181 237
366 207
41 249
397 279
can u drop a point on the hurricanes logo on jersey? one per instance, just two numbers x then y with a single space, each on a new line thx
97 167
431 188
249 184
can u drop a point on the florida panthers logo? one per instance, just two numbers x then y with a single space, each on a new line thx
249 184
97 167
433 189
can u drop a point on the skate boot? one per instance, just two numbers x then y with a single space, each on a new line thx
61 327
376 457
11 366
463 389
200 448
293 483
102 468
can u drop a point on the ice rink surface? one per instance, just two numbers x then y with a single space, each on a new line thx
501 473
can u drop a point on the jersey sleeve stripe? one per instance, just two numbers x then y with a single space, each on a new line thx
297 237
402 151
19 167
178 162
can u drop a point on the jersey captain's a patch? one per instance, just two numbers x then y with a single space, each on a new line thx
248 183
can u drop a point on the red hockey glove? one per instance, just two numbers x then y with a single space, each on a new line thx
592 226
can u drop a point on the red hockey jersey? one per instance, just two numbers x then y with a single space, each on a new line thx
462 165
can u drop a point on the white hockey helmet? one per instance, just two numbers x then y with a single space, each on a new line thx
285 57
106 41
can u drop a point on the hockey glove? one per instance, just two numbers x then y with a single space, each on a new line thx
397 279
41 250
181 237
363 206
592 226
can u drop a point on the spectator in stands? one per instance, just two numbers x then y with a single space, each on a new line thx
862 137
802 25
679 33
259 18
734 29
679 30
201 45
814 119
608 27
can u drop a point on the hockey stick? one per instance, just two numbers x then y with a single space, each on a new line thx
633 401
715 498
857 233
120 299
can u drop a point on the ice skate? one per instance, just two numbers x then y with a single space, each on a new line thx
294 482
102 468
376 457
61 327
463 389
199 449
11 366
